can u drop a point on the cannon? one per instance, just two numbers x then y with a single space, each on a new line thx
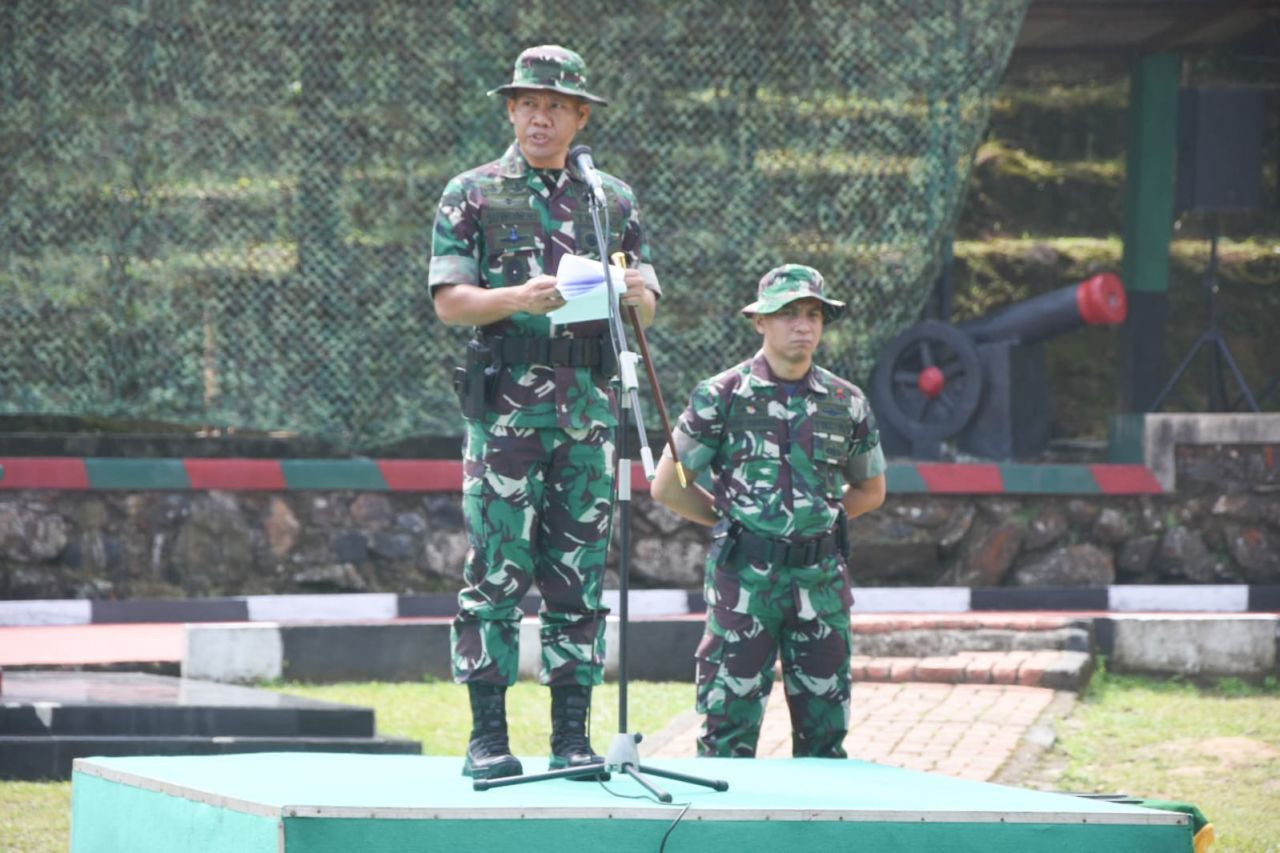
984 381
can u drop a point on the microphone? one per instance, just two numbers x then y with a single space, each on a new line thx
580 155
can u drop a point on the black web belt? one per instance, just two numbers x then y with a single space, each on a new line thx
556 352
786 552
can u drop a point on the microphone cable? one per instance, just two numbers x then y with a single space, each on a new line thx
662 845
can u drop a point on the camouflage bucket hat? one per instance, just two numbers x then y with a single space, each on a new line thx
789 282
553 67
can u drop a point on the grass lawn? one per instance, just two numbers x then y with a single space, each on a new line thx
35 817
1217 747
438 714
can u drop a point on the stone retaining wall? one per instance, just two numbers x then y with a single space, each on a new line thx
1222 525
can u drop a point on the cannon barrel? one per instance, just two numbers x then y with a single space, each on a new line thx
1096 301
983 381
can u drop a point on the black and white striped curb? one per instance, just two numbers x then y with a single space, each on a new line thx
1225 598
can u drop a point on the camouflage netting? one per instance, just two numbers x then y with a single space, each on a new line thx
218 213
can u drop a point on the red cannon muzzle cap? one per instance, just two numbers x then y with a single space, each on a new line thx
1102 301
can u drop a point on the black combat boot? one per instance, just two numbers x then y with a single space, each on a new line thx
489 755
570 707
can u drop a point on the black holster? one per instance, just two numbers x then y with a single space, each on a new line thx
476 382
724 535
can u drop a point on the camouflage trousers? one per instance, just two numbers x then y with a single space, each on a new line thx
536 505
754 611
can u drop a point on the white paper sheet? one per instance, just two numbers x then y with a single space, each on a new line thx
581 282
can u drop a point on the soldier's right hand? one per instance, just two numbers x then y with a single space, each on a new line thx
538 295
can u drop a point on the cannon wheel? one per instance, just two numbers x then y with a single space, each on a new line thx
928 381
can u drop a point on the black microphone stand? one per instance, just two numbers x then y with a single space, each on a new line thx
623 755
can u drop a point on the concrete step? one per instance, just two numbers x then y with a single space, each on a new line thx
74 704
50 718
943 635
1050 668
44 757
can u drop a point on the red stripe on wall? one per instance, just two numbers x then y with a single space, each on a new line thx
38 472
1126 480
422 475
962 479
235 474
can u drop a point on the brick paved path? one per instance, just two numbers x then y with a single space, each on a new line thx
964 730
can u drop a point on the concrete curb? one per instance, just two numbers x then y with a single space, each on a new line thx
1213 645
1221 598
233 653
1047 652
402 651
1035 741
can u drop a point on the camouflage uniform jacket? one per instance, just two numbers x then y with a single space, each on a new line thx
778 460
505 222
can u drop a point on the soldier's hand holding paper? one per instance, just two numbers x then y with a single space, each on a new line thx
539 295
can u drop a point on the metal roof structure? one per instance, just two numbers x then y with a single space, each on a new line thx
1145 26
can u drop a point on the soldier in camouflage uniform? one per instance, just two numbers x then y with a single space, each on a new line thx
538 459
793 452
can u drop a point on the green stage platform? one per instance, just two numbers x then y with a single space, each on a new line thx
325 803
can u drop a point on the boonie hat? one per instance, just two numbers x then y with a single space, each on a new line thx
550 66
783 285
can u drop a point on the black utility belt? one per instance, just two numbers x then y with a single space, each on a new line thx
788 552
555 352
477 382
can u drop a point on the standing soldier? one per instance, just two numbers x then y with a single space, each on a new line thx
793 452
538 459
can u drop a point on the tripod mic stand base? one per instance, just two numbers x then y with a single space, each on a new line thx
622 750
586 772
623 757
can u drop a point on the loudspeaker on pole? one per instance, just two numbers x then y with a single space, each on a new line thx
1220 131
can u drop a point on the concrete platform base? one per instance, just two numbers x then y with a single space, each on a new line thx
277 803
47 719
